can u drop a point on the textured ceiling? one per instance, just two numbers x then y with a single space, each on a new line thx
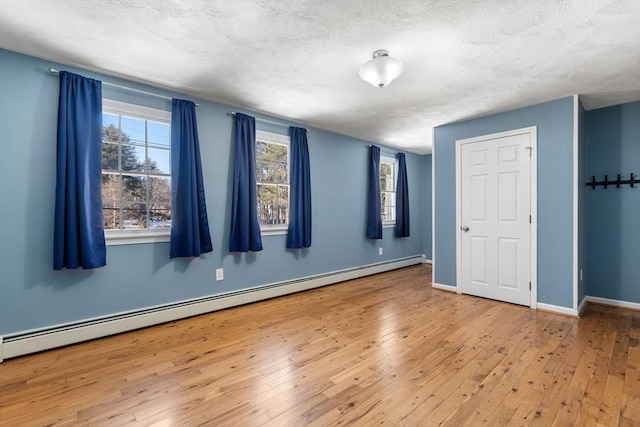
299 59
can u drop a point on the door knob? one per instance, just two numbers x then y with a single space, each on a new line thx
464 228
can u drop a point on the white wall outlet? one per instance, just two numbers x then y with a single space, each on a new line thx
219 274
380 251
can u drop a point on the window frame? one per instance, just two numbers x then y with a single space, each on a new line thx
394 162
275 138
130 237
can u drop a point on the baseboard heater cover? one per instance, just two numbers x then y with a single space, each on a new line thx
19 344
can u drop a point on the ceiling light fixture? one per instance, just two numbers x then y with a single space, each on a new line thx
381 70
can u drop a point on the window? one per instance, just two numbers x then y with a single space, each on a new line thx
388 174
136 172
272 179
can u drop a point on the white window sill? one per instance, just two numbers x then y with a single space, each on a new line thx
136 237
274 231
388 224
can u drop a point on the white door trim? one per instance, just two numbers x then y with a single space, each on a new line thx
433 206
576 172
533 132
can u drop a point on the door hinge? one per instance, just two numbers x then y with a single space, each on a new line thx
529 219
529 285
530 150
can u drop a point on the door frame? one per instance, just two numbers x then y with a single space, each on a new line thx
533 266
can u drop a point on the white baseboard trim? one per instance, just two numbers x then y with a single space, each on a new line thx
557 309
26 342
428 261
614 302
444 287
582 305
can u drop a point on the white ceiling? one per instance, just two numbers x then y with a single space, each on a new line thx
299 59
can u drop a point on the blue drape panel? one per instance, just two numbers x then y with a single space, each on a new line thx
299 232
190 236
402 199
374 206
245 229
78 236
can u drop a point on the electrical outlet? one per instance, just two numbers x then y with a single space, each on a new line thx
219 274
379 251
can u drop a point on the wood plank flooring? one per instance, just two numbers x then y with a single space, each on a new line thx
383 350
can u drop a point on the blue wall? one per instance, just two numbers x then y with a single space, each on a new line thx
426 207
613 146
554 121
32 295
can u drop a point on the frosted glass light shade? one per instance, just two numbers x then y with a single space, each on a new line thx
381 70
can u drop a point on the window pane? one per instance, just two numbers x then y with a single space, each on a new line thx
385 204
134 216
160 216
271 151
283 214
262 171
159 134
267 204
132 158
387 177
159 190
109 119
283 194
388 206
110 156
134 188
261 147
111 215
110 188
281 172
134 129
267 194
110 132
158 161
270 171
384 174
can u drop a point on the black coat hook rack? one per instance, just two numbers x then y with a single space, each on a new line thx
618 182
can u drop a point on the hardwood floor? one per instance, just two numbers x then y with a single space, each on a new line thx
382 350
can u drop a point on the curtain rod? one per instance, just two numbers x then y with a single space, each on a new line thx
233 113
384 150
56 71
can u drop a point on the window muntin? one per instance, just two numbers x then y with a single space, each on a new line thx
136 169
272 180
388 176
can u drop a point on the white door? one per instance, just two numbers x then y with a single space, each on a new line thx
494 214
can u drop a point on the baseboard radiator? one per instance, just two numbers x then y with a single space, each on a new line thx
21 343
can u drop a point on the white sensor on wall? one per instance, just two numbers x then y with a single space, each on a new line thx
219 274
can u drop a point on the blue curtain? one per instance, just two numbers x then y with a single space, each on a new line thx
190 235
402 199
299 232
374 207
78 236
245 229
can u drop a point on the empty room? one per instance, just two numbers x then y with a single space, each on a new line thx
320 213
